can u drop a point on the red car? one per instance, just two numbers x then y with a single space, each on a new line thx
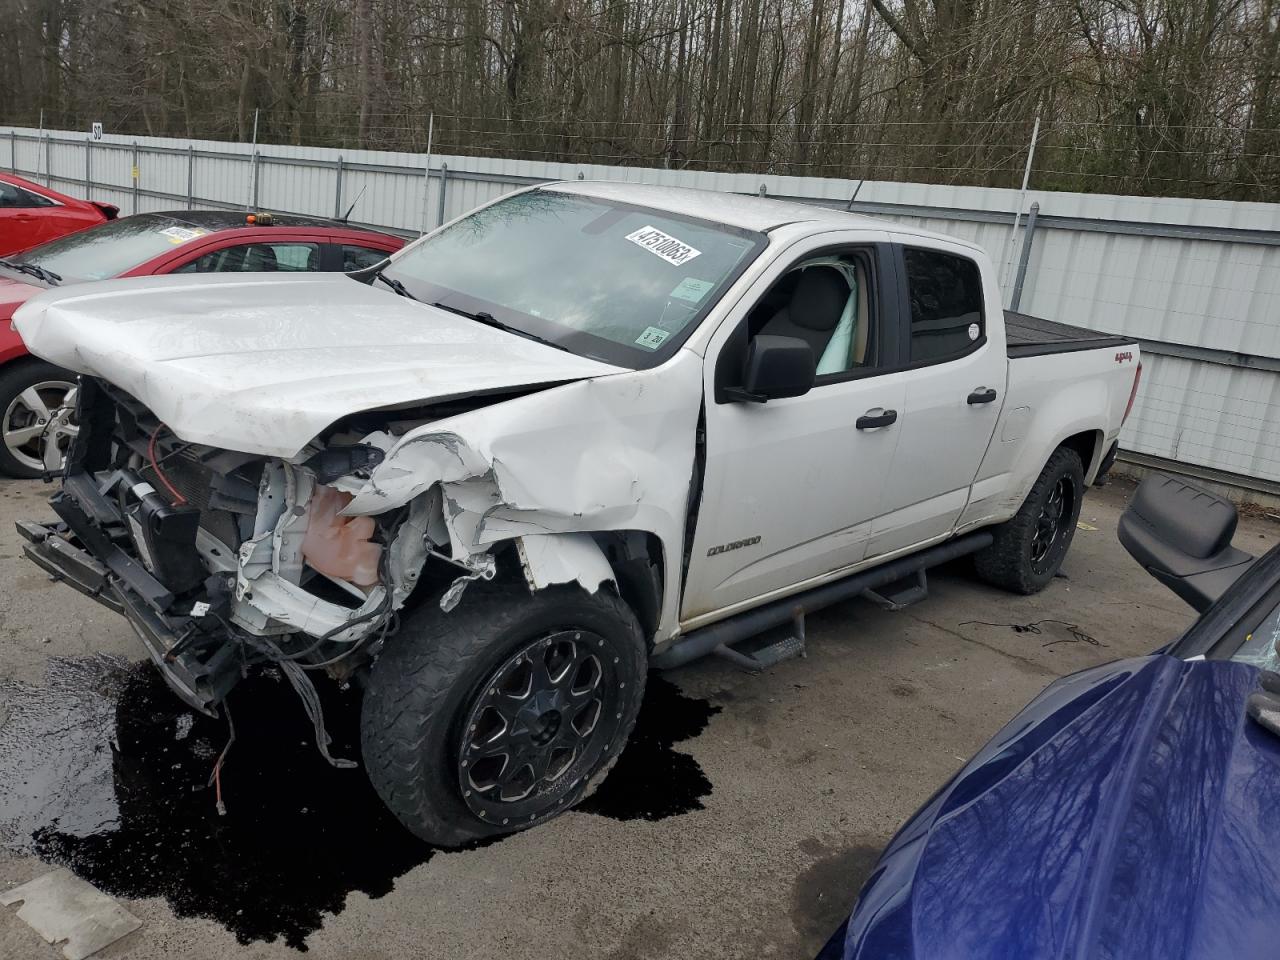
147 244
31 214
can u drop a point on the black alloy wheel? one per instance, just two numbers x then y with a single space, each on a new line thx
1049 526
536 726
503 712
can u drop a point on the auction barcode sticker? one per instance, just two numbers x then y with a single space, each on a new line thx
663 245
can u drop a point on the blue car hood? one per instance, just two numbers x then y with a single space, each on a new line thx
1130 811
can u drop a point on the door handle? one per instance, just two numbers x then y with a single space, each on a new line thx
870 420
982 395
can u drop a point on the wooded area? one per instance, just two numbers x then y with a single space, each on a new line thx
1161 97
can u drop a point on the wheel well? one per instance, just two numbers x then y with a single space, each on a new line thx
639 566
1085 445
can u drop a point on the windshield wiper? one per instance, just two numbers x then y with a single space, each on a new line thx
480 316
32 270
489 320
395 285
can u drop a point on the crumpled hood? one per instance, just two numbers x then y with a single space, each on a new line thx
263 363
1130 811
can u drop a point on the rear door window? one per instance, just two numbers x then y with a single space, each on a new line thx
946 305
257 258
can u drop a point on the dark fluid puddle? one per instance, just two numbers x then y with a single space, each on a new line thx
652 781
105 771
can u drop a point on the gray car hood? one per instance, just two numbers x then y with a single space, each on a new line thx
262 363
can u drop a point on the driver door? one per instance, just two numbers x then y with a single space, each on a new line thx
791 486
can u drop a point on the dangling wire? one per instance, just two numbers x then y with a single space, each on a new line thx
215 778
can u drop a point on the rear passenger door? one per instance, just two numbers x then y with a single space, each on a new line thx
954 390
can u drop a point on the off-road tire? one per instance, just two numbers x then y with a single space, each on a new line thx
15 377
1007 562
423 687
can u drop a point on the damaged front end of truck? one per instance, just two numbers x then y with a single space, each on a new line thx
221 560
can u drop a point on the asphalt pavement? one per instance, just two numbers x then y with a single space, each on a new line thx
741 827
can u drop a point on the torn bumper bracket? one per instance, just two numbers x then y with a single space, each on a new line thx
201 682
73 566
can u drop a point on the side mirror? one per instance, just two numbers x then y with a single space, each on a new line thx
776 367
1181 534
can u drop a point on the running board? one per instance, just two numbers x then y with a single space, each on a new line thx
901 593
769 654
728 633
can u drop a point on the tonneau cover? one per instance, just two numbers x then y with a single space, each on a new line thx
1028 336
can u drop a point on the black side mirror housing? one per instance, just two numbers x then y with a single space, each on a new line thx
1181 534
775 368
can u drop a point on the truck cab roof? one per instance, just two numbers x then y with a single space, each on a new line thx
744 211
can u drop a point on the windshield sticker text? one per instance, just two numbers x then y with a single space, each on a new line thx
179 235
652 338
663 245
692 289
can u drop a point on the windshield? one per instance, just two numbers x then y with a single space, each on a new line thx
603 279
1259 644
110 249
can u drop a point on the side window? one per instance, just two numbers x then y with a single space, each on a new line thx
205 264
826 302
357 258
257 258
16 198
290 257
946 304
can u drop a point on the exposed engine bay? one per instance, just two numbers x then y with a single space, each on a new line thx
222 559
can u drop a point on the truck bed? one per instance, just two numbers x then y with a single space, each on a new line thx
1028 336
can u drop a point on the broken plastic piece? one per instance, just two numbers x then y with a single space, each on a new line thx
61 907
482 566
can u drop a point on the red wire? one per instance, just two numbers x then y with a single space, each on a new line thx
179 499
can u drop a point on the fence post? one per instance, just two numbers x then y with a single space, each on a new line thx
253 166
426 173
88 166
255 179
136 175
13 151
1006 262
48 159
191 176
337 190
1025 256
444 188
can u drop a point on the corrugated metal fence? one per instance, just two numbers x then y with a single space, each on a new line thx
1196 281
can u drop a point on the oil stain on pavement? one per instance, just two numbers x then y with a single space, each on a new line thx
103 770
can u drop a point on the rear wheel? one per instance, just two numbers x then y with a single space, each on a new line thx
1029 549
504 712
32 395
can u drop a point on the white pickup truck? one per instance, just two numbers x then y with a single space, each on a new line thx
582 430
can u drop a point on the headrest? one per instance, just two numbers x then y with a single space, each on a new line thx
819 298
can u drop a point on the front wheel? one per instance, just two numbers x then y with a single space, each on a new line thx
504 712
1029 549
